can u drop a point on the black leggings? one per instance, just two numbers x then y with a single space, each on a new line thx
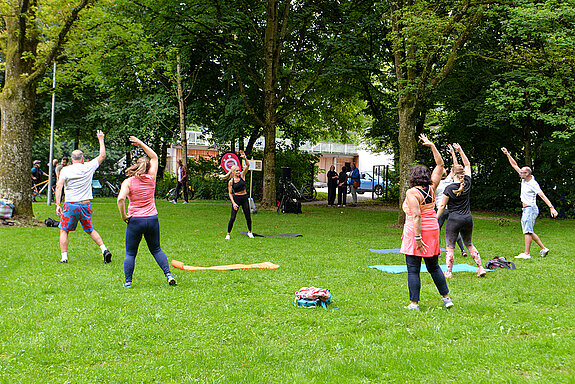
242 201
458 225
414 281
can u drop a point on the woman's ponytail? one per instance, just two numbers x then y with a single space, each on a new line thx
459 171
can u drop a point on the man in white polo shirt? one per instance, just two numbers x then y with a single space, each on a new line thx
76 179
529 191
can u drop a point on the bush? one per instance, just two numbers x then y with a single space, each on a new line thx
211 188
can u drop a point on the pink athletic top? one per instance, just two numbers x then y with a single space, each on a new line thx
141 196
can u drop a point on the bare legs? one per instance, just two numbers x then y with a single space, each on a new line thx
529 237
64 239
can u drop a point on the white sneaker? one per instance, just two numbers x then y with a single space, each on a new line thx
412 306
544 252
523 256
250 235
173 202
227 237
185 202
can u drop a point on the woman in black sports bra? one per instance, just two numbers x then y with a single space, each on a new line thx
239 195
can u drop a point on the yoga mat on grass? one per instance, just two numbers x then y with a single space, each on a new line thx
393 250
282 235
231 267
403 268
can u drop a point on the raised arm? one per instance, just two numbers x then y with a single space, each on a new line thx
464 159
511 161
438 171
102 154
151 154
246 162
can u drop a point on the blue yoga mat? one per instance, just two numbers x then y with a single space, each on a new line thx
403 268
393 250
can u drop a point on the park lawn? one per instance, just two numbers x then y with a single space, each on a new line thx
74 323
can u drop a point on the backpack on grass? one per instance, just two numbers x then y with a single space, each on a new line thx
6 209
499 262
312 297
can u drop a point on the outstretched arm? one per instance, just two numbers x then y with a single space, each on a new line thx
464 159
511 161
548 202
438 171
151 154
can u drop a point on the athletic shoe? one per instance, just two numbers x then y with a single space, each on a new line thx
481 272
64 261
107 256
447 302
544 252
250 235
523 256
174 202
171 280
184 202
448 275
227 237
127 285
412 306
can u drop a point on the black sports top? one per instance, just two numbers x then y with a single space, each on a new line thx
459 205
427 193
239 186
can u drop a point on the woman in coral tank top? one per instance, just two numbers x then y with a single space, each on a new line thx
420 240
142 216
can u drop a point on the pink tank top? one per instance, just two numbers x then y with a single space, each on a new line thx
141 196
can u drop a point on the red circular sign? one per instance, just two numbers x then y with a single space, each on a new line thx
228 160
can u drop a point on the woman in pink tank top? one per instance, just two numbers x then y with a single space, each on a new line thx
420 240
142 217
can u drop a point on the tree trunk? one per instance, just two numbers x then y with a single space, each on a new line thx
182 109
17 109
16 132
408 118
270 104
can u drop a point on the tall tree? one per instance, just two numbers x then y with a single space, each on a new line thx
28 48
427 37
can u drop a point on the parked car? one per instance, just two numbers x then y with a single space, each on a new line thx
369 184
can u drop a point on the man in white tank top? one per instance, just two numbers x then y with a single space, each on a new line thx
76 180
529 191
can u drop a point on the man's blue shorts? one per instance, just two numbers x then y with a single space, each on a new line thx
74 212
528 217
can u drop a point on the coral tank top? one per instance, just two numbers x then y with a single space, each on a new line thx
141 196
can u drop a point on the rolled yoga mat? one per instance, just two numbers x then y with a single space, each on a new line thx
282 235
403 268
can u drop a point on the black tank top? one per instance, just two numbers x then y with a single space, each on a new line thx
426 194
239 186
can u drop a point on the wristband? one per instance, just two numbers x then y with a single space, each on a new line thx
551 207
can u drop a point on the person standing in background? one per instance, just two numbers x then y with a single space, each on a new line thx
331 185
182 183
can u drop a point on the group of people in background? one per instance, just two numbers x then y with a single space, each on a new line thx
338 183
433 198
421 232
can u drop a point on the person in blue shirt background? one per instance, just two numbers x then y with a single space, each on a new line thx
354 183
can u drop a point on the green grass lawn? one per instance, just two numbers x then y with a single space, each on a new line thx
74 323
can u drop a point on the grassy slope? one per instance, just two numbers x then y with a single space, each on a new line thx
75 323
